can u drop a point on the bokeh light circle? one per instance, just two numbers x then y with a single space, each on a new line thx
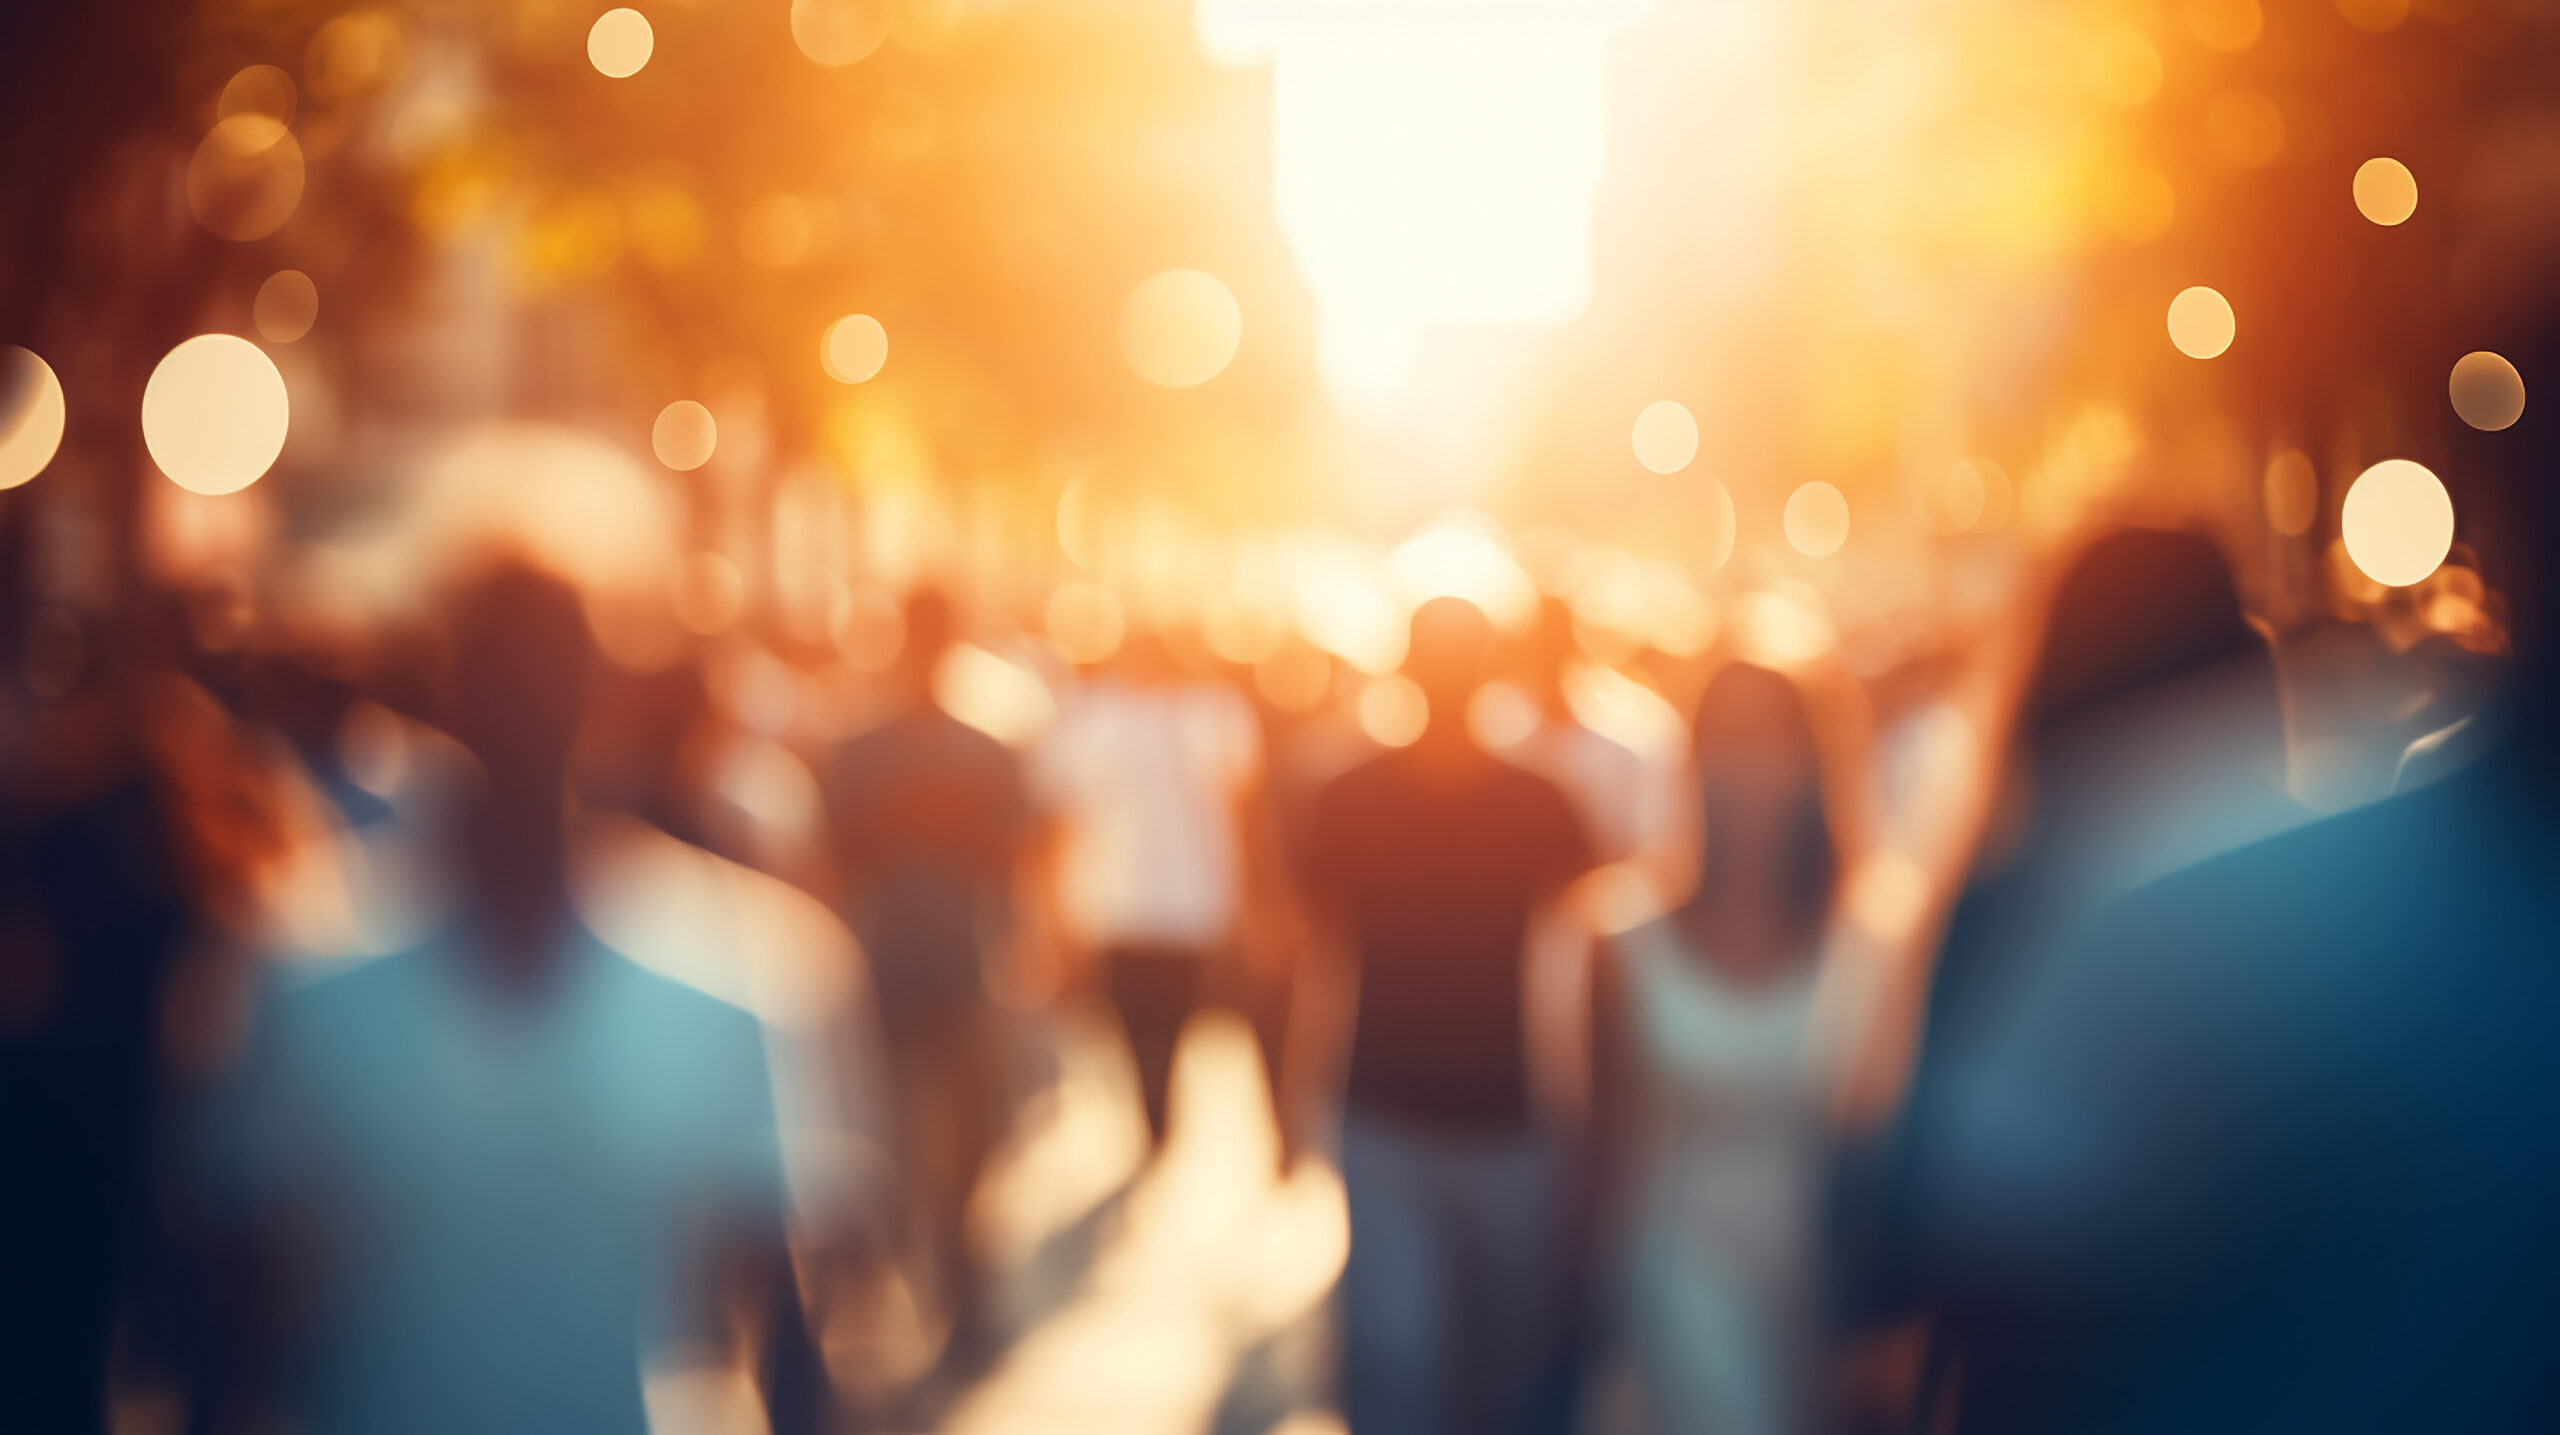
286 307
258 90
1666 436
2386 192
2292 493
2397 522
1392 710
246 177
855 348
31 415
620 42
215 414
2226 25
2201 323
1817 519
684 435
1180 327
835 33
2487 391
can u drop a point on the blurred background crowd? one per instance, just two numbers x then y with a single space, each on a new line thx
1271 715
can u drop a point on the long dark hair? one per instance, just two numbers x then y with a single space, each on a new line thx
1737 708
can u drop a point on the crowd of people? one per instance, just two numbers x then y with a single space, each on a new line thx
2161 1105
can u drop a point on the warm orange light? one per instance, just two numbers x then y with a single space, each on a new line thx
2227 25
835 33
246 177
2397 522
2201 323
1392 709
1180 328
351 53
2121 67
31 415
708 593
684 435
2137 204
778 231
258 90
286 307
1085 622
854 349
620 43
1666 436
2386 192
214 414
2292 493
2487 391
1817 520
2245 129
2375 16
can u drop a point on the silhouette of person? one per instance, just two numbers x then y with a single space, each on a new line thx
1428 862
1710 1080
1147 770
2267 1142
931 821
501 1169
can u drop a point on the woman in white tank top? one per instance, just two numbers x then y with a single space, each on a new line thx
1710 1086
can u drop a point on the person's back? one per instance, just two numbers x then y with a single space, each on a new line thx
1146 771
1435 875
1429 862
507 1205
2270 1147
928 811
490 1176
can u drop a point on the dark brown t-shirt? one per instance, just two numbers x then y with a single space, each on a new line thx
1434 877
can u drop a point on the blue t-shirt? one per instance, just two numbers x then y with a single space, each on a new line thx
502 1197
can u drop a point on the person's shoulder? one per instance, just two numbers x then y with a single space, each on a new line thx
1525 788
2357 880
340 988
670 1004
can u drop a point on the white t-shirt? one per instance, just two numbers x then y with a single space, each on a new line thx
1145 780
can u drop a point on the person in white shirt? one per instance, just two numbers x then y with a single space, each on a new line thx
1145 771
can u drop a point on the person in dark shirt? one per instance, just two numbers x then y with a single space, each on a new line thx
2267 1143
1429 861
930 818
2149 737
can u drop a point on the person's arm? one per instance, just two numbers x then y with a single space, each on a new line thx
791 1370
1606 1171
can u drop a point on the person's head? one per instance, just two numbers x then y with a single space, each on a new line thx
1448 654
2137 608
521 656
1770 860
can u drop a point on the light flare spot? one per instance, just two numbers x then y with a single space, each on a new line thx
286 307
215 414
620 42
1180 327
31 415
684 436
2397 522
2487 391
1817 519
855 348
2201 323
1666 436
2386 192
